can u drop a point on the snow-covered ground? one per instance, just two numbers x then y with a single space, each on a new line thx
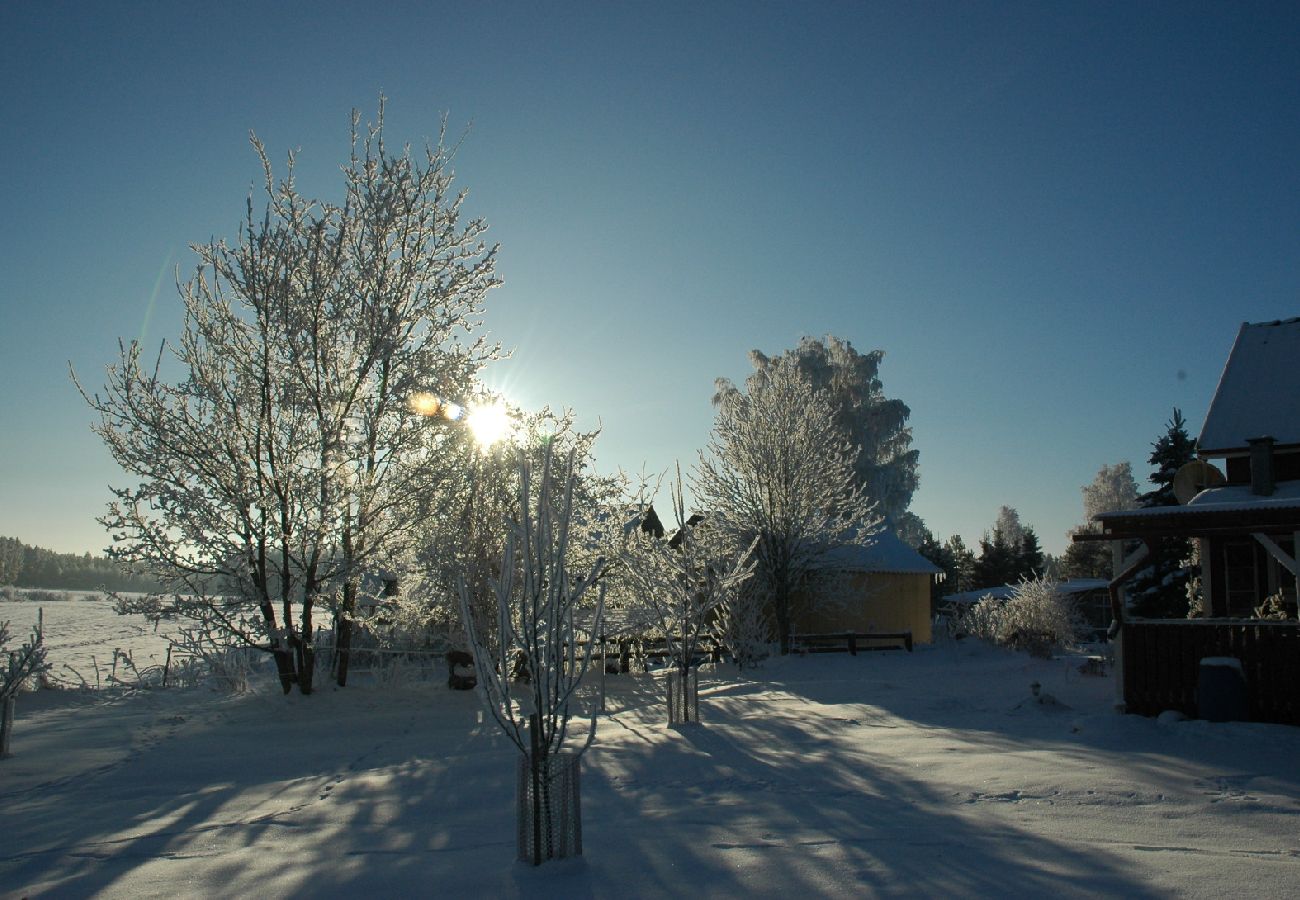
927 774
83 631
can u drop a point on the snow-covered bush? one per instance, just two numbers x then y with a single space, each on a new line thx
981 620
1037 617
1275 607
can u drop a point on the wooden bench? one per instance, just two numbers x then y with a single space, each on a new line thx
847 641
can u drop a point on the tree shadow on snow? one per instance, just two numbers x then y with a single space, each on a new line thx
764 805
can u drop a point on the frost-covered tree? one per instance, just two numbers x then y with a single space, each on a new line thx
466 543
779 469
1113 488
884 464
1009 527
11 560
24 663
1160 590
681 584
529 669
290 459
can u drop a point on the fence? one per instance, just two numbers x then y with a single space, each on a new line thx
366 657
1162 662
850 641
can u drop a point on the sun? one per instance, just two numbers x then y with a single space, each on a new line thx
489 423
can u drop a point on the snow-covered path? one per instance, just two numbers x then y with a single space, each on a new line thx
934 773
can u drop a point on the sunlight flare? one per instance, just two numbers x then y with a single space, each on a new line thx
423 403
489 423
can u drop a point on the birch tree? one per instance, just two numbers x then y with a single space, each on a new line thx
884 464
303 443
779 470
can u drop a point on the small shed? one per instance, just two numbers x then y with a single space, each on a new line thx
883 586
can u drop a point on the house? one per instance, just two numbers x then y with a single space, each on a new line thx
1246 522
1246 526
883 586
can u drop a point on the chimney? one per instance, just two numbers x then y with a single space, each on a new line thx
1261 466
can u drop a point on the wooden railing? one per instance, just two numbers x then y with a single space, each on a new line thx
1162 662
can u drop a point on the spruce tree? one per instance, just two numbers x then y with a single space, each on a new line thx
1009 553
1160 589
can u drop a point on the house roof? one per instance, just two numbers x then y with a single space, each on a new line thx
886 554
1256 396
1231 508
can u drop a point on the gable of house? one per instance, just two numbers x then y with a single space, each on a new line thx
1256 395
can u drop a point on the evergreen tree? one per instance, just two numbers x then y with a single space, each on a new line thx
1086 559
1160 589
997 560
1171 451
957 562
963 558
1031 559
36 567
1009 553
11 560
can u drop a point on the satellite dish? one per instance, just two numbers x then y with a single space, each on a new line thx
1193 478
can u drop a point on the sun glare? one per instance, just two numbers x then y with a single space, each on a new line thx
489 423
426 404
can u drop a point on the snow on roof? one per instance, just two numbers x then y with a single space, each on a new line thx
1256 396
1228 498
1005 591
886 553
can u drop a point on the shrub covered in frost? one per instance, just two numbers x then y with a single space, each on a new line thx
27 662
1037 618
981 620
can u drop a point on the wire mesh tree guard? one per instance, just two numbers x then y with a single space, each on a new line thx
683 696
548 805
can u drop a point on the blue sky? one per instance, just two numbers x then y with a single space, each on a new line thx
1052 217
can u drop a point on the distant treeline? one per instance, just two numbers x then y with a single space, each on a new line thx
36 567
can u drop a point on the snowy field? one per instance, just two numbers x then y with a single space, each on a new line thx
889 774
82 633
